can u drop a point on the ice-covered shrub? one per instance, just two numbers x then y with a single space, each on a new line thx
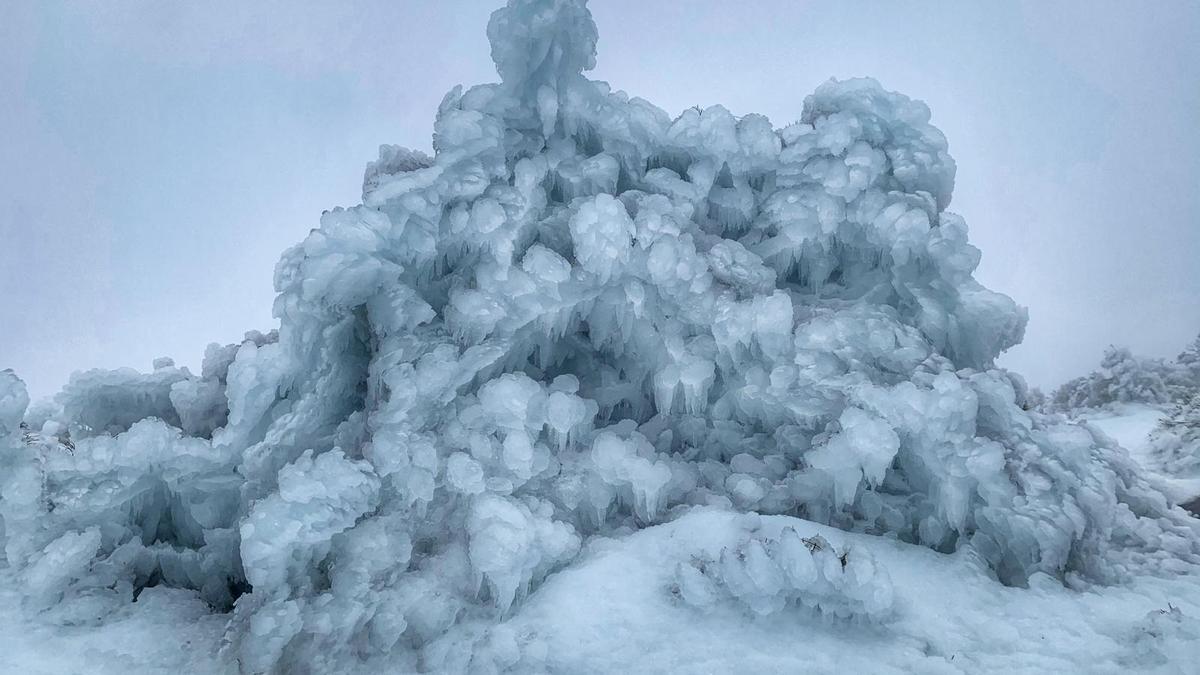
1175 444
14 399
577 315
1183 380
162 506
1121 378
109 402
1126 378
20 484
125 458
770 575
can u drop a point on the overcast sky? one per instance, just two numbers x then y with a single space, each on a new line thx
156 157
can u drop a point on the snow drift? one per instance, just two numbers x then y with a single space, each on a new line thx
579 317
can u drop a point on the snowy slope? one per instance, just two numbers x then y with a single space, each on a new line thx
614 612
1131 425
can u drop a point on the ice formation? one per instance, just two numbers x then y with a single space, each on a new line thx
578 317
768 576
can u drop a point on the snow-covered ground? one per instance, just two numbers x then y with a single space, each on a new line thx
165 631
617 609
1131 425
614 612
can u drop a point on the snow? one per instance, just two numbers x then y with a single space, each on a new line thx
620 605
166 631
1130 425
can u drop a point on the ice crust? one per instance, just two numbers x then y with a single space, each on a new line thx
577 318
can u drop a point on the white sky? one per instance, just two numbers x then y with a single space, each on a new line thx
155 158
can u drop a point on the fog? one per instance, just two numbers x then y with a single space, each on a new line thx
155 158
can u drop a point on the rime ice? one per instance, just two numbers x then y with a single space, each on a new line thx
577 319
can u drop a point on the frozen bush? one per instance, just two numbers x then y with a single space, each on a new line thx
109 459
164 505
1175 444
13 402
768 576
577 315
109 402
1183 379
1122 378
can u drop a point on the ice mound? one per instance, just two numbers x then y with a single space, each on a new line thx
118 476
575 318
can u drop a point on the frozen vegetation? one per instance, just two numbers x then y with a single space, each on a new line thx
1176 442
597 389
1124 378
1136 388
